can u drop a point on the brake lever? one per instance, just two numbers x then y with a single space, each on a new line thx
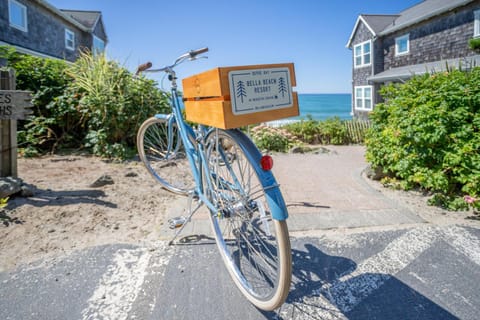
197 57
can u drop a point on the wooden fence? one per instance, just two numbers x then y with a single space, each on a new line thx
356 130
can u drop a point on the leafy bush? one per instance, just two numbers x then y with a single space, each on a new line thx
46 79
113 104
474 44
273 139
333 131
329 131
305 130
92 103
427 135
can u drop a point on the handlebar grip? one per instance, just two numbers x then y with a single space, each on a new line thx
194 53
143 67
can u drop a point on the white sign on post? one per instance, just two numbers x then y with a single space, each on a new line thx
260 90
15 105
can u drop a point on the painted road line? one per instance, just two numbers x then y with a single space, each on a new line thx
348 291
462 240
119 286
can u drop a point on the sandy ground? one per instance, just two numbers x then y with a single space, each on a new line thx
67 213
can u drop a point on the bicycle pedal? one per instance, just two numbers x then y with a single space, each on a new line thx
176 222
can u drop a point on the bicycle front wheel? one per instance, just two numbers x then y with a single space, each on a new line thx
162 152
254 246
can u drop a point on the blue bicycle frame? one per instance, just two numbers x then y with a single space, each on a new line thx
196 157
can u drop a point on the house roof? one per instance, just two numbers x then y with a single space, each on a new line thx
374 22
381 25
423 11
84 20
406 72
379 22
88 18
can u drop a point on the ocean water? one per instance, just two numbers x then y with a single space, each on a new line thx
323 106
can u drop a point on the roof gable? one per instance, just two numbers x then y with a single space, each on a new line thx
374 23
88 18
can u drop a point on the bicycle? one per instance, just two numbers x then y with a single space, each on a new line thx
225 171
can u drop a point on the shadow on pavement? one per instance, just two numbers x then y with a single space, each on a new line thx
322 289
307 204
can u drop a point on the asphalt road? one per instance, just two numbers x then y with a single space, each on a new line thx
357 254
421 272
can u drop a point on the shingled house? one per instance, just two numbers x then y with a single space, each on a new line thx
427 37
35 27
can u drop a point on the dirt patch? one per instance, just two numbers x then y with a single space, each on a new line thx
68 213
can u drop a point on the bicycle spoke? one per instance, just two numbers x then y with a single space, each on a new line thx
247 234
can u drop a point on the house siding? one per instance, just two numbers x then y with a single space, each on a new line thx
361 74
439 38
46 32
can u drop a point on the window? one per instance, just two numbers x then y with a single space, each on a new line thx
402 45
476 25
98 45
362 54
363 98
69 39
17 14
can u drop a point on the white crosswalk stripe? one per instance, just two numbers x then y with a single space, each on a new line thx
119 286
333 300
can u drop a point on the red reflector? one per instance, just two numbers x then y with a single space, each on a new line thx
266 162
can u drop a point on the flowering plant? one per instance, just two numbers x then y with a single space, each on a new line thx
472 201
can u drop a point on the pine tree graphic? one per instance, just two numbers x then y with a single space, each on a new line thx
241 92
282 86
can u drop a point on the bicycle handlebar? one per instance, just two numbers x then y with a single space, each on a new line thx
143 67
191 55
195 53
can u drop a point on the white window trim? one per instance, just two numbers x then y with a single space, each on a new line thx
362 55
24 12
363 98
72 34
397 39
476 24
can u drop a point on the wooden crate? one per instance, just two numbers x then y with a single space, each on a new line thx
232 97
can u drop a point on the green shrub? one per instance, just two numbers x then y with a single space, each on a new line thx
93 103
46 79
273 139
305 130
427 134
113 104
329 131
474 44
333 131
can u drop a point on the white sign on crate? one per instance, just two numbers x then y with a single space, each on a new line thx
260 90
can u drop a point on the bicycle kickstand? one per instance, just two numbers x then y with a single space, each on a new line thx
180 222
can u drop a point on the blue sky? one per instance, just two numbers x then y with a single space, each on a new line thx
310 33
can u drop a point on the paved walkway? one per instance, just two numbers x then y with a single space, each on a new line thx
322 191
326 191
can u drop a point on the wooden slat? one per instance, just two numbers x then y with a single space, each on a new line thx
219 114
214 82
8 132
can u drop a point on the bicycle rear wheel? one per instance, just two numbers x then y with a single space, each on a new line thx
162 152
254 246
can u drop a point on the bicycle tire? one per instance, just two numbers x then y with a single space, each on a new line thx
161 150
254 246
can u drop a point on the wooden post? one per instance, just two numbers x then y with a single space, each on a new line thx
8 132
